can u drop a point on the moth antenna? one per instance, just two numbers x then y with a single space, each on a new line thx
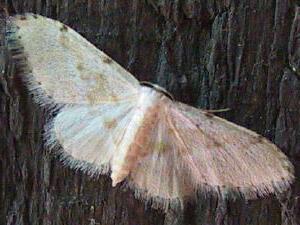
217 110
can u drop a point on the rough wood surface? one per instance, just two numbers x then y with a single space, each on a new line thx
244 55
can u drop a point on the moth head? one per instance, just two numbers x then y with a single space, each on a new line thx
158 89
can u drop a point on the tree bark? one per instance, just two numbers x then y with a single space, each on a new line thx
244 55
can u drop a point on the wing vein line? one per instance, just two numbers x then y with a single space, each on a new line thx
184 144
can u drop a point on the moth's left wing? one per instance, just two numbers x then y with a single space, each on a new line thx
195 151
60 66
88 137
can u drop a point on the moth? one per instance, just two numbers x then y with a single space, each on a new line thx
109 123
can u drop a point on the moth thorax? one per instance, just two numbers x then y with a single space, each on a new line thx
129 151
158 89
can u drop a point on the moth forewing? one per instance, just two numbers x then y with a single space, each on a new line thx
63 67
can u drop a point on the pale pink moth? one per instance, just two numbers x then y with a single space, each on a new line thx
108 123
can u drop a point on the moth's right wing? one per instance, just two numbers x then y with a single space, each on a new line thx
189 151
60 66
87 137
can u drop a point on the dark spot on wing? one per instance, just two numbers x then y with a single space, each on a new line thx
23 17
170 131
64 28
34 16
110 124
260 138
257 139
107 60
289 169
114 98
199 128
217 144
208 114
80 66
19 37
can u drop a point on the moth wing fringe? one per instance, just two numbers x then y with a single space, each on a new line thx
22 67
55 148
206 191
